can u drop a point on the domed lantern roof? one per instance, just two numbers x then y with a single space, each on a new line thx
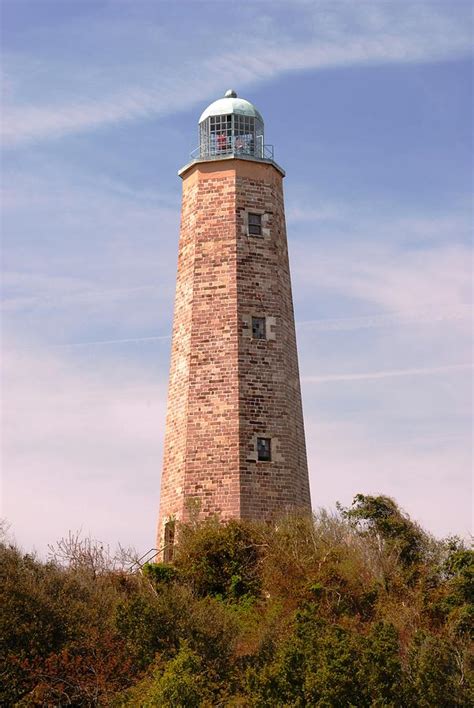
231 126
231 103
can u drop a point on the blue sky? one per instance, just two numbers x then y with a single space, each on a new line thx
369 107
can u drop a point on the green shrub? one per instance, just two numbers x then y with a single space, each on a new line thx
357 609
183 684
221 560
439 673
158 573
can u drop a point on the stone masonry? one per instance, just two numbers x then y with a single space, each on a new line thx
226 387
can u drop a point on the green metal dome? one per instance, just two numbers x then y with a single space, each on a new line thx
231 103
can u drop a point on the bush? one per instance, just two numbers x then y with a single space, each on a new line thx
221 560
438 673
361 608
158 573
183 683
57 635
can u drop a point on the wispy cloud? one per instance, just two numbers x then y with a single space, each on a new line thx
129 340
391 319
382 288
390 276
395 373
336 34
44 291
86 268
409 228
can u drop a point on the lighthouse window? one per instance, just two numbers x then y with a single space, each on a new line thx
264 449
259 329
220 134
255 224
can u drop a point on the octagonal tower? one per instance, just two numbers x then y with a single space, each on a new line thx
234 442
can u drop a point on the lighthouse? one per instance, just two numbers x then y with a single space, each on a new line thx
234 442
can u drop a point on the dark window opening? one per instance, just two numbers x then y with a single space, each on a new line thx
169 541
264 449
255 224
259 328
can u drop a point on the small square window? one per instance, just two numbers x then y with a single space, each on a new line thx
255 224
259 328
264 449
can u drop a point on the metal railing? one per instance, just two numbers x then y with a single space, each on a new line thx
145 558
206 152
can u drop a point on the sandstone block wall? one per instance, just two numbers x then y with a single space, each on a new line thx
226 388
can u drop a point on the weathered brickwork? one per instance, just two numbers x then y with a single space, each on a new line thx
226 388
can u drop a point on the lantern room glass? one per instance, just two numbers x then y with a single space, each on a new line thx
231 134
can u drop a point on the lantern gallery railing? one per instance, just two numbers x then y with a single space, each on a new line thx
232 146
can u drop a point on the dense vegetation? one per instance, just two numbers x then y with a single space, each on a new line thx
358 609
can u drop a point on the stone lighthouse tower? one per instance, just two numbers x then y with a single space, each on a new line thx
234 443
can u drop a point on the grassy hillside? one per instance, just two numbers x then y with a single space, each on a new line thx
359 609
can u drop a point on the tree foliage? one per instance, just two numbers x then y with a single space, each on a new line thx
361 608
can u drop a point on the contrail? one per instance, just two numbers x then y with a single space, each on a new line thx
327 325
111 341
386 374
385 320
